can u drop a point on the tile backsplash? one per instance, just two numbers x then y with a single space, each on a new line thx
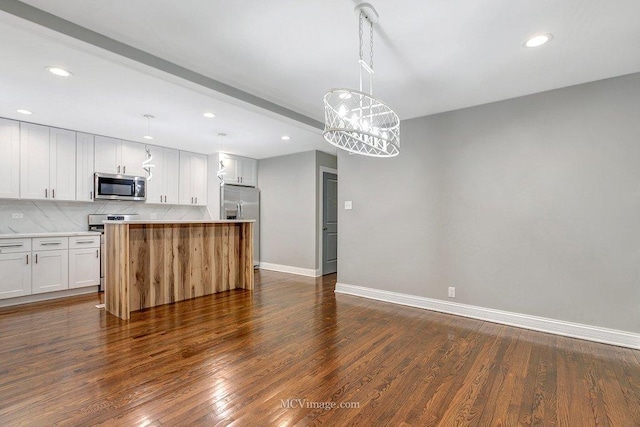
48 216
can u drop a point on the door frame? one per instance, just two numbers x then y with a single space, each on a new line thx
321 172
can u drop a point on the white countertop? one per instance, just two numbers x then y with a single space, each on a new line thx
182 221
53 234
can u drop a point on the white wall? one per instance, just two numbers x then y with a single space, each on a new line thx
530 205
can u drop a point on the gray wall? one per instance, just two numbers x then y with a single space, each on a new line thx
529 205
47 216
287 210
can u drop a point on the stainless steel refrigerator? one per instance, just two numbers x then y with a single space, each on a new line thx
238 202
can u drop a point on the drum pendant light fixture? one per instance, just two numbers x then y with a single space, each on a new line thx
355 120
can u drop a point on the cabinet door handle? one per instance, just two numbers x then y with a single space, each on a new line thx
124 169
160 199
53 193
11 246
90 195
118 168
165 199
36 258
196 200
46 194
81 242
97 253
27 259
50 243
192 200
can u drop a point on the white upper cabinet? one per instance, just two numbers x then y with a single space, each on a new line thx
107 155
84 167
47 163
133 154
10 159
239 170
193 179
119 157
62 164
163 187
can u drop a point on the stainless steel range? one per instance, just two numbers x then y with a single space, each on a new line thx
96 224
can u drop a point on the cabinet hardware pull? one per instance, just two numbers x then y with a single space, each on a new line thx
118 168
192 200
53 193
124 169
27 259
46 194
160 199
97 253
82 241
36 258
196 200
91 195
11 246
165 199
50 243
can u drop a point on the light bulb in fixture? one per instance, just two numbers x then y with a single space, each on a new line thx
538 40
24 111
345 95
148 117
342 111
285 137
209 115
61 72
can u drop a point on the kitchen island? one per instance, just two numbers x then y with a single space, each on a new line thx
150 263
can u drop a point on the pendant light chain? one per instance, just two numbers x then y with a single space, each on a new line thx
360 33
371 44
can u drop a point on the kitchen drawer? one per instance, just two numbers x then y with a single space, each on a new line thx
9 246
50 243
79 242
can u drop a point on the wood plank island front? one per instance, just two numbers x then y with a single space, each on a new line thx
150 263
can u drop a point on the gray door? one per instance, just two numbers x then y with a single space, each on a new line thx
329 223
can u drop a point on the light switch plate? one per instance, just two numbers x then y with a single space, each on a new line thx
348 204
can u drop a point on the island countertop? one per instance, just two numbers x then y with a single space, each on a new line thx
181 221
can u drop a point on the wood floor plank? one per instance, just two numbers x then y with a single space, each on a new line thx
238 357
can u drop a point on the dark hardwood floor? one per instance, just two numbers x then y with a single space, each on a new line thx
284 353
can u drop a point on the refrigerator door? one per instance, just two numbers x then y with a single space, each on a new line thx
230 203
243 203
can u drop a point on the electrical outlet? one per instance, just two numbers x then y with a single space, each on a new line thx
153 215
17 215
452 292
348 204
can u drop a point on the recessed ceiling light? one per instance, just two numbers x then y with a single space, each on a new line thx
222 134
285 137
538 40
147 137
59 71
209 115
24 111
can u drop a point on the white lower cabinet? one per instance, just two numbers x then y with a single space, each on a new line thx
15 270
84 262
47 264
50 271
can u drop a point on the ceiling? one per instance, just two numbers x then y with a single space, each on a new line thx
429 56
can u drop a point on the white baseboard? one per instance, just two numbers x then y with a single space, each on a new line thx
48 296
542 324
309 272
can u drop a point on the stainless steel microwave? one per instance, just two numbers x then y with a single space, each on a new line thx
120 187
